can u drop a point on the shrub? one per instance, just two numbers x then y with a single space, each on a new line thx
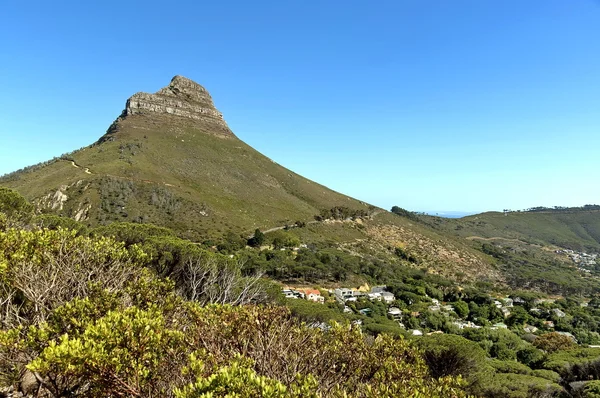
552 342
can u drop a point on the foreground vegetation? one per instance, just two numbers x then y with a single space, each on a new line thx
130 310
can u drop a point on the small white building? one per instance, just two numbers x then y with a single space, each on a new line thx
343 294
558 313
388 297
395 312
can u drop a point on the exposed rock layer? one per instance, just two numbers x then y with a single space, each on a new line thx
182 98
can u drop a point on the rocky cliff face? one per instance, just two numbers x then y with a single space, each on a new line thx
182 98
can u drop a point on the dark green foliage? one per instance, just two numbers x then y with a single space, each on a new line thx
257 239
510 385
530 356
461 308
132 233
231 242
592 389
405 213
340 213
404 255
283 239
510 367
16 207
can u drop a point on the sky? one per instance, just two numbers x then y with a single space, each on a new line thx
462 105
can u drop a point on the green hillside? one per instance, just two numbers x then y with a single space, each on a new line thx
192 175
575 228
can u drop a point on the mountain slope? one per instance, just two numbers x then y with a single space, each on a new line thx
170 159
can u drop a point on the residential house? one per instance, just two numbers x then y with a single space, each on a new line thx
498 304
549 324
499 325
436 332
416 332
374 296
288 293
530 329
343 294
388 297
508 302
518 301
365 311
395 312
465 324
313 295
505 311
558 312
378 289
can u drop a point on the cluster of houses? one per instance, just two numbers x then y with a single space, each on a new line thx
584 261
379 293
304 293
344 295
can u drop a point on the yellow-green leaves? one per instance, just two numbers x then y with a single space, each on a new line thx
121 352
239 380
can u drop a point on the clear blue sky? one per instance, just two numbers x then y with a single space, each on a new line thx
430 105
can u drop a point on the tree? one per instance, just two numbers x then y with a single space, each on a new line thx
257 240
209 278
518 316
461 308
17 209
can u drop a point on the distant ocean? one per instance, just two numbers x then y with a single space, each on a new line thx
450 214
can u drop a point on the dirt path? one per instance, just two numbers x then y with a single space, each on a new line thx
494 238
85 170
266 231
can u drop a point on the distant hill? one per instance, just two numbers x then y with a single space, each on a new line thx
575 228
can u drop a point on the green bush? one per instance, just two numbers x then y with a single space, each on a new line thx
510 367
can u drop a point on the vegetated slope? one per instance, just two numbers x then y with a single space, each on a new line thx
171 160
576 228
526 245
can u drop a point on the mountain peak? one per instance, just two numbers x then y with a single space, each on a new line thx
185 88
182 98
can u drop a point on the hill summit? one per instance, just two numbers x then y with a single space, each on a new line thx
183 98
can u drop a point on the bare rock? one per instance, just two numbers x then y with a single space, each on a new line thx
182 97
29 383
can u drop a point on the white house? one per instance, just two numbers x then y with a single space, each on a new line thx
388 297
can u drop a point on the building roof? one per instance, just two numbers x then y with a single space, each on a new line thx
310 291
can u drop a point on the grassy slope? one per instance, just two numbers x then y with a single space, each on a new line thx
203 181
205 184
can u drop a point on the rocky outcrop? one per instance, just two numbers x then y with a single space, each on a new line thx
182 100
182 97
